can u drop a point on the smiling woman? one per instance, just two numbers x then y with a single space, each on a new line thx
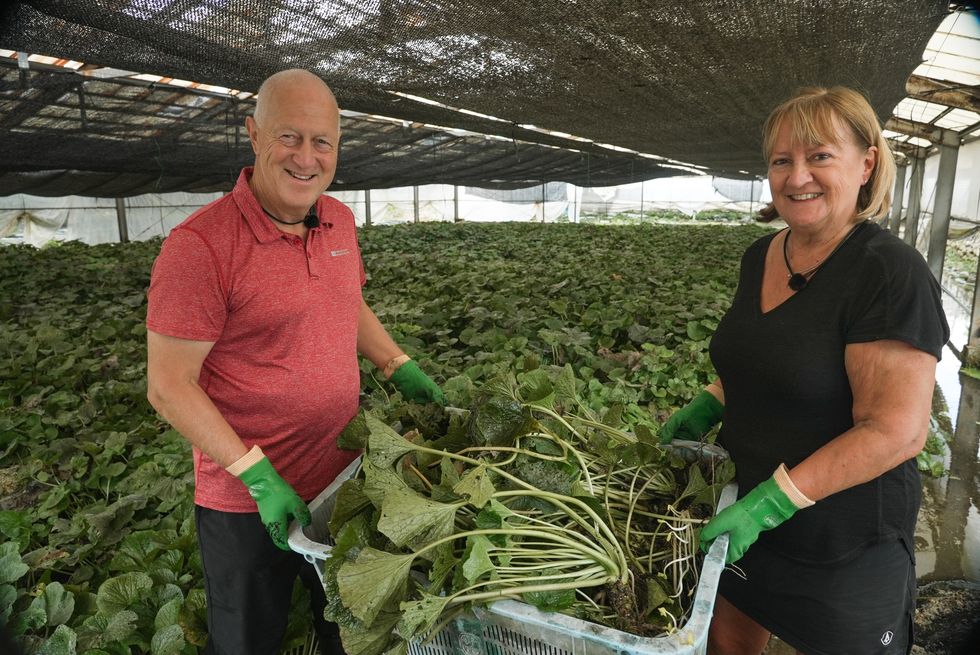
828 314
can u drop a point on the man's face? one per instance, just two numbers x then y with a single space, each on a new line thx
295 148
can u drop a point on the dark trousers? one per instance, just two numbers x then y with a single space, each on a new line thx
249 584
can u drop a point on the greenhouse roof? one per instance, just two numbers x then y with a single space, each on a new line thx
503 93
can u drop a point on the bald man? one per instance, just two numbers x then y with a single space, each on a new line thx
254 324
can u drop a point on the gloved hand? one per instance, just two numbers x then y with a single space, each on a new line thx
277 500
416 385
763 508
693 420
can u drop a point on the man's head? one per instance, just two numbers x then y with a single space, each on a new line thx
295 134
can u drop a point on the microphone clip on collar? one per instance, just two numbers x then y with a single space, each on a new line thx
311 219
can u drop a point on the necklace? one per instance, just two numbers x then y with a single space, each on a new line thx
799 280
310 220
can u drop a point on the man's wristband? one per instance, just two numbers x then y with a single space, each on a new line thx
246 461
393 364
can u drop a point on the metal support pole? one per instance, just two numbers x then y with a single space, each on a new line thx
897 198
455 203
939 231
642 184
367 207
415 196
121 220
543 187
971 354
915 198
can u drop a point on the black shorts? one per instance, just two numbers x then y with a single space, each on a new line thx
862 607
249 581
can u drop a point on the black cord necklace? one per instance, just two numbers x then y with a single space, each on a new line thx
798 281
311 220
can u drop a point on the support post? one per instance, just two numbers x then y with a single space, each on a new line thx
971 353
915 198
121 220
939 231
897 198
455 203
543 196
642 184
367 207
415 197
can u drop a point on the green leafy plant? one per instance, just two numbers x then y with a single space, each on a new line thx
542 501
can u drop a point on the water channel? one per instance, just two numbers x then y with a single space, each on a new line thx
948 530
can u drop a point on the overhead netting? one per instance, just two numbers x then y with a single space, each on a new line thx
690 82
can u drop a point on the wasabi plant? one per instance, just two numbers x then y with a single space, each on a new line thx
526 495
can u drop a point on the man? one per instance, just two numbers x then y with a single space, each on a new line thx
255 320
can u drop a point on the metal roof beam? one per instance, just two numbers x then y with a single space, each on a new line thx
942 92
927 131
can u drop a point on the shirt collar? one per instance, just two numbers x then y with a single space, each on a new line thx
248 205
261 225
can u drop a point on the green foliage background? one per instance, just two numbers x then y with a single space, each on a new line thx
97 546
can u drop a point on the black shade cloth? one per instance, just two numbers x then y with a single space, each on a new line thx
687 81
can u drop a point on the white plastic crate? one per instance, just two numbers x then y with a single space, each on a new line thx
511 627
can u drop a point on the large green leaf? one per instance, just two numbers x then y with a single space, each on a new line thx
350 500
12 568
62 641
478 560
412 521
122 592
419 616
168 614
372 581
8 594
375 639
379 481
58 603
32 618
167 641
385 446
476 486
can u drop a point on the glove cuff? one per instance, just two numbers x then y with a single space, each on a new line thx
393 365
785 484
246 461
712 408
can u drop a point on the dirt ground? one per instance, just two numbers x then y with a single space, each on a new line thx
947 621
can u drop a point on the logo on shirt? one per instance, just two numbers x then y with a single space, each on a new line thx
338 253
887 637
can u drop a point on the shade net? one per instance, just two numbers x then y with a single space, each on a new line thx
687 82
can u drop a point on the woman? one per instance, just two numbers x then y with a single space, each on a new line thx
826 363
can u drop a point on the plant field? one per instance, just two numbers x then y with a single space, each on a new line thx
97 545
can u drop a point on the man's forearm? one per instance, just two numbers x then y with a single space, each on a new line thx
189 410
373 341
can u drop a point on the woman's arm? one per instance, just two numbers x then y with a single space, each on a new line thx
892 385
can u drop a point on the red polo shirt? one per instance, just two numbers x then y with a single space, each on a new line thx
283 318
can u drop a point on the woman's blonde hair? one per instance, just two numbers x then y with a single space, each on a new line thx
815 115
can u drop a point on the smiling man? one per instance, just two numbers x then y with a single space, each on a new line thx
254 324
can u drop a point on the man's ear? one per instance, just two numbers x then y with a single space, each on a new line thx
253 133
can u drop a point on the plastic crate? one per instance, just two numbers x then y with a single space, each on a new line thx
510 627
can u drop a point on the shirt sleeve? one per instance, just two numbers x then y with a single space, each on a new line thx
899 299
187 298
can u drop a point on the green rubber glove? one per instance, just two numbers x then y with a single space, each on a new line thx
416 385
693 420
277 500
763 508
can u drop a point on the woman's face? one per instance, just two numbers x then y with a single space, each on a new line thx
817 186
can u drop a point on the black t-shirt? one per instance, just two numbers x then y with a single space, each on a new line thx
787 392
